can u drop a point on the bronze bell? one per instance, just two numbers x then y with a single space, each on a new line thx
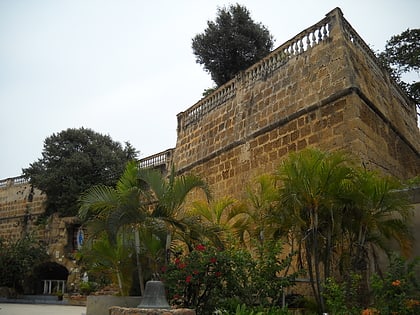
154 296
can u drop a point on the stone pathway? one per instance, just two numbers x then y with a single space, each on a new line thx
40 309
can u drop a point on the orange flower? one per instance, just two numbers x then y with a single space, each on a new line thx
396 283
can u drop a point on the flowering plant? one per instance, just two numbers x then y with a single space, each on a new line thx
398 291
193 279
208 278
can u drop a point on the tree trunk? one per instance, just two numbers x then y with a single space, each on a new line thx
139 268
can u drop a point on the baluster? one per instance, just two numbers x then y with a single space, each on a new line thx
313 39
319 35
295 48
324 32
290 48
301 50
271 64
276 60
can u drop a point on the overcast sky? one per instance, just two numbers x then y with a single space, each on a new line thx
126 68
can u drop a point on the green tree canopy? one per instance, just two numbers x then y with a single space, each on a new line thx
17 260
402 55
231 43
74 160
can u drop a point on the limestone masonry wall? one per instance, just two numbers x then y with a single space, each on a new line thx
323 88
20 206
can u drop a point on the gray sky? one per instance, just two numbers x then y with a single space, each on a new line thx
126 68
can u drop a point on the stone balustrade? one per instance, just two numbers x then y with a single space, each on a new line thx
299 44
13 181
197 111
158 159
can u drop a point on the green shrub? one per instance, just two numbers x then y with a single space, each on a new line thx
398 291
207 279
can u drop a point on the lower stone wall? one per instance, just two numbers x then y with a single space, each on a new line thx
99 305
115 310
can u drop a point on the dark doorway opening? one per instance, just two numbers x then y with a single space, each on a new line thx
49 275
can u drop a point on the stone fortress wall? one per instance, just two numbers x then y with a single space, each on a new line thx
323 88
21 207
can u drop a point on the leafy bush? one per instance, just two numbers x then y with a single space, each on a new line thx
17 261
395 293
343 298
208 278
398 291
87 288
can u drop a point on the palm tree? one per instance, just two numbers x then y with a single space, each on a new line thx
225 217
148 203
312 182
378 212
339 214
112 260
107 209
261 200
166 199
116 211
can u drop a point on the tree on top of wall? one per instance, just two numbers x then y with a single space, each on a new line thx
74 160
402 55
233 42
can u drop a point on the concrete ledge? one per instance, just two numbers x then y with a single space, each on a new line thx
100 304
115 310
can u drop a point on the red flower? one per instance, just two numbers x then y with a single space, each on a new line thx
195 272
188 279
200 247
177 260
181 265
163 269
213 260
218 274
